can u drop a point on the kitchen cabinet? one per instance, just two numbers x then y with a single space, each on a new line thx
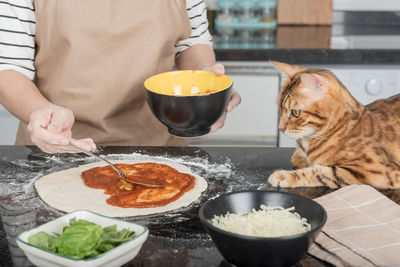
301 12
9 127
254 121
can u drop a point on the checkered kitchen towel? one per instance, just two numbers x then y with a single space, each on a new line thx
363 228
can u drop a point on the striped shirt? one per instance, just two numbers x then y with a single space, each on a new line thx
17 33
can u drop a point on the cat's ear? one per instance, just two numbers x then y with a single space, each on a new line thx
288 70
314 85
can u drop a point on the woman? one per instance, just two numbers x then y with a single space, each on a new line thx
73 71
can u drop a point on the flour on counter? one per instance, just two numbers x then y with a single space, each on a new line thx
202 163
18 183
18 195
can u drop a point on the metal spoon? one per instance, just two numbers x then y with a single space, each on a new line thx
123 177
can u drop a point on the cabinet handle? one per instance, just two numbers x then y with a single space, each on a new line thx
251 70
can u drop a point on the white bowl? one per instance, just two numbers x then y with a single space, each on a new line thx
115 257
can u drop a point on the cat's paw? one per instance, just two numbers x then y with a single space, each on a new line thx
281 178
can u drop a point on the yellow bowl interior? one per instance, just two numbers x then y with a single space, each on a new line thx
187 83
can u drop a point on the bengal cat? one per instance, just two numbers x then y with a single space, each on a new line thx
339 141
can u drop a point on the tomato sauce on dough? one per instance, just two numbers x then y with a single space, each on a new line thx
126 195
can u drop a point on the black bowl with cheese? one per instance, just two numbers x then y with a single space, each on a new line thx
245 250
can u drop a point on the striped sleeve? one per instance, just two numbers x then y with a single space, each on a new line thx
17 36
197 12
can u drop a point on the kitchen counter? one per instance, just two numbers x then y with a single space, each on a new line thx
177 237
354 38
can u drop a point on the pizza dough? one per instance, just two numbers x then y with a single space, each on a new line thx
64 190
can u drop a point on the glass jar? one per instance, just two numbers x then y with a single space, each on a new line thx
266 35
266 38
246 10
246 39
267 10
225 38
226 11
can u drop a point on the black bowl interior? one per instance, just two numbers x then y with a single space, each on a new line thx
255 251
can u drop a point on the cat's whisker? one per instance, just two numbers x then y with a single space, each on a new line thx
292 133
305 134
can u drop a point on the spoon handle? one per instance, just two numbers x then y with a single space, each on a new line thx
123 177
97 157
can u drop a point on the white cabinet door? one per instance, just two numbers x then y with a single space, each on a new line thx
9 126
254 121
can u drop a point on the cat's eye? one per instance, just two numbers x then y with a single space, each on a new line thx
296 112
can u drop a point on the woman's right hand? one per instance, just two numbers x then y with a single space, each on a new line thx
50 130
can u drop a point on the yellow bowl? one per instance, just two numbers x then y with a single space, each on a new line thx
188 102
187 83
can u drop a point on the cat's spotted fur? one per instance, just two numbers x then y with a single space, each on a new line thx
339 141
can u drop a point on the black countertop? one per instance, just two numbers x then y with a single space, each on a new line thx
314 56
377 35
177 237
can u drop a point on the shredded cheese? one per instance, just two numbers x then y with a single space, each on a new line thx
194 90
268 221
177 90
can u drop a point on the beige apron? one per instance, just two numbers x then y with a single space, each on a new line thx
93 56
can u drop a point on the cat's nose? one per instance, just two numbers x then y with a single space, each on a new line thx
282 129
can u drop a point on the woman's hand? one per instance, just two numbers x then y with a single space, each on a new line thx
51 131
235 100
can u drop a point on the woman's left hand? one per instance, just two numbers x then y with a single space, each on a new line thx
235 100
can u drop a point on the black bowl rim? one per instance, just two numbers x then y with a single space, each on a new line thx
210 225
191 96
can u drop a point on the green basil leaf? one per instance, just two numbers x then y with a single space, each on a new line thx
80 240
74 221
118 238
110 229
104 247
94 254
43 240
